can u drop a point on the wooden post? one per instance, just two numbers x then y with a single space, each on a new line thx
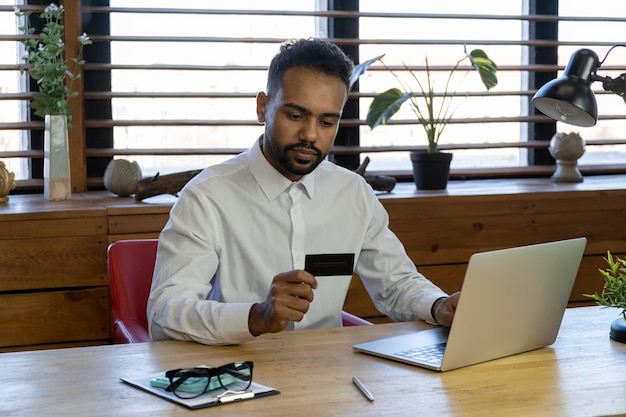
72 20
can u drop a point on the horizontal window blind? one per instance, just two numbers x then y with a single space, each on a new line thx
174 87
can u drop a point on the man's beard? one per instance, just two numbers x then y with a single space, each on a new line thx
291 165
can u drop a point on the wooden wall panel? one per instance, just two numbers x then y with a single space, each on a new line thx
53 286
54 317
60 262
440 204
53 277
42 228
445 239
132 223
131 236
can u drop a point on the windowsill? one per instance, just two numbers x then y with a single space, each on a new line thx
459 188
21 203
512 173
542 172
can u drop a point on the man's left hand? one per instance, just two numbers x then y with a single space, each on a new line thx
445 309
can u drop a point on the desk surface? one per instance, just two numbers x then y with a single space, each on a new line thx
581 374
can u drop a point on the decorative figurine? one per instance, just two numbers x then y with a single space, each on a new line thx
121 177
7 182
567 148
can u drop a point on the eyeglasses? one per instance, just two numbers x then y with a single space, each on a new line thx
188 383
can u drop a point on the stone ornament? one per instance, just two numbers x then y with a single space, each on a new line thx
567 148
121 177
7 182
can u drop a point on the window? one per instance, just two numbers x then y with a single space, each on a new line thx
173 86
429 31
583 31
206 72
12 85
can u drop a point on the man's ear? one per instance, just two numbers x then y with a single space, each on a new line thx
261 106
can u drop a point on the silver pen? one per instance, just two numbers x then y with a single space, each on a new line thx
362 388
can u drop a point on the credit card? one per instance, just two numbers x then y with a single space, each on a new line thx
329 264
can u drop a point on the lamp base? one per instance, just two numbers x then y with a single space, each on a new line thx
618 330
567 171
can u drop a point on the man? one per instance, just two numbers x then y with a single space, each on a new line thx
230 261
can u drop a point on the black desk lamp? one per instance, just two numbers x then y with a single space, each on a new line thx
569 99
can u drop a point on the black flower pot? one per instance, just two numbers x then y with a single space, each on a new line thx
431 170
618 330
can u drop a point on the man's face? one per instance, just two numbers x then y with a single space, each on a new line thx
301 120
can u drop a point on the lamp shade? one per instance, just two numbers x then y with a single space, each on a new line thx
569 98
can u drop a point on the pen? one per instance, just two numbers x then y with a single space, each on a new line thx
362 388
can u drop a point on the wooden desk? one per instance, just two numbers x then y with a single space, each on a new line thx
581 374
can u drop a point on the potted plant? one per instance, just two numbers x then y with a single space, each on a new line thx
614 294
48 65
433 110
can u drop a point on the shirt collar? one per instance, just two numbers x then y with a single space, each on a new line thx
272 182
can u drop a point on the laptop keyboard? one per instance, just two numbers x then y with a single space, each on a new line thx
431 354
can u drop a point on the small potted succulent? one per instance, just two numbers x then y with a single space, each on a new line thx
614 294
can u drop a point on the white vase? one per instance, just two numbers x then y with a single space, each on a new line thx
56 164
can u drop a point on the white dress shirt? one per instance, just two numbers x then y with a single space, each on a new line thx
238 224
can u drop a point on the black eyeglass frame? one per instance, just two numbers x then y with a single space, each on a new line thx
178 376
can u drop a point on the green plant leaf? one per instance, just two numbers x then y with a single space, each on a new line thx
431 105
384 106
486 68
47 63
614 290
361 68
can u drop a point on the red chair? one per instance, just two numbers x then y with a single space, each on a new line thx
130 268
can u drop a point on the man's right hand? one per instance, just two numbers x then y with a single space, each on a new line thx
288 300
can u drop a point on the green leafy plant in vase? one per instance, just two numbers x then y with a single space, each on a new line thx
614 294
432 107
47 64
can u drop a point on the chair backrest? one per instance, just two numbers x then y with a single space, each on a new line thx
130 269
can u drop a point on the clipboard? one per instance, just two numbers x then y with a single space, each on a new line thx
208 399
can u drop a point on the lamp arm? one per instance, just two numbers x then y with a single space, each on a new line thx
614 85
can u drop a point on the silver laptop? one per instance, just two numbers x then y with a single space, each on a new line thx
512 301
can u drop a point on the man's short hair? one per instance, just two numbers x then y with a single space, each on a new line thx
315 54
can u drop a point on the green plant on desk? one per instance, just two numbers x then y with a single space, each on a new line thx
614 294
614 291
